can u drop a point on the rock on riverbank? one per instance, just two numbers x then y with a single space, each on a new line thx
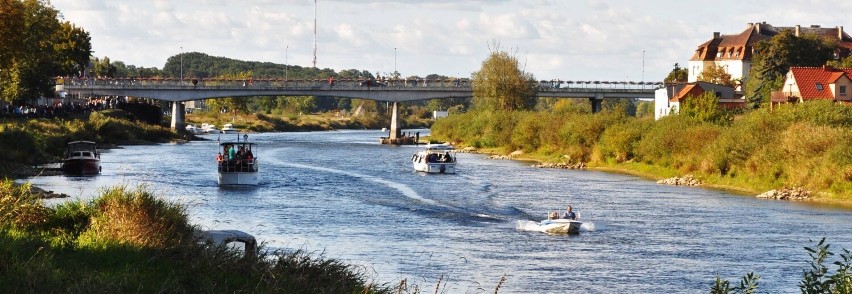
686 180
797 193
562 165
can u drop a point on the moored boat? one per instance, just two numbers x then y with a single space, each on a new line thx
82 158
209 129
435 159
236 163
194 130
229 129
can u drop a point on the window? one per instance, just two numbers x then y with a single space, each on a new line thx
842 90
819 86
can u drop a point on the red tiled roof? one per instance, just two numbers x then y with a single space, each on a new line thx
807 78
744 42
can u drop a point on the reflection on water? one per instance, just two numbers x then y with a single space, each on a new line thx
343 194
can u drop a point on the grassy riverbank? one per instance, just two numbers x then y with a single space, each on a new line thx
128 240
801 145
253 122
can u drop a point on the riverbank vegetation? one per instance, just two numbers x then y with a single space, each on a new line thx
128 240
800 145
29 142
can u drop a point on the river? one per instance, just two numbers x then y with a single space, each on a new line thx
342 195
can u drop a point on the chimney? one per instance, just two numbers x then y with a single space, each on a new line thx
757 27
798 30
840 33
716 35
750 25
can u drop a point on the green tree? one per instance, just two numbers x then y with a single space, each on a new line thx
705 108
676 75
28 68
717 75
502 85
103 67
774 57
842 63
73 48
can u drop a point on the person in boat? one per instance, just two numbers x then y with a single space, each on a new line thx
219 157
552 215
569 213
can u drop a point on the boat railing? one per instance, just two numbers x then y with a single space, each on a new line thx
238 166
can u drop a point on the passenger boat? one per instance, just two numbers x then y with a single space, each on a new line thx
82 158
435 159
229 129
236 163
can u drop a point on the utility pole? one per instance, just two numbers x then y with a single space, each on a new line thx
643 69
394 62
315 33
181 63
286 64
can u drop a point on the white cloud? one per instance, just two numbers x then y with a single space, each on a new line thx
572 40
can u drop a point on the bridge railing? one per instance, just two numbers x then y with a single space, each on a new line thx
278 84
342 84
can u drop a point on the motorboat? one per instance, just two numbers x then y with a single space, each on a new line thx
194 130
551 226
435 159
560 226
209 129
82 158
229 129
236 163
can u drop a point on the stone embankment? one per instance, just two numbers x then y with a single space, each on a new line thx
797 193
561 165
686 180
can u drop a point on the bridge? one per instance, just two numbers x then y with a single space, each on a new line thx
394 90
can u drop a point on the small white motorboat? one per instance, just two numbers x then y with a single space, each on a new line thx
551 226
435 159
82 158
194 130
229 129
209 129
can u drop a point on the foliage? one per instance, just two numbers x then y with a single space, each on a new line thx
501 84
799 145
35 47
704 108
842 63
717 75
775 56
677 75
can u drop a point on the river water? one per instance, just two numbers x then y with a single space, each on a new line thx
343 195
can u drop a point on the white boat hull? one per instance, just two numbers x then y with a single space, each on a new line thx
435 167
238 179
229 131
553 226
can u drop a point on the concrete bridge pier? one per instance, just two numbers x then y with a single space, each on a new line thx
395 132
596 102
178 113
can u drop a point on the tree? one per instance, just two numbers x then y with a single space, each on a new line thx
502 85
843 63
676 75
717 75
704 108
73 48
103 67
774 57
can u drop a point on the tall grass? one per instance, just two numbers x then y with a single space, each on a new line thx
127 240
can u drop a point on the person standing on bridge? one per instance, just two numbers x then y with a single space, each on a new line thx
330 82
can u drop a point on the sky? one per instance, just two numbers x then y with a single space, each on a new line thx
552 39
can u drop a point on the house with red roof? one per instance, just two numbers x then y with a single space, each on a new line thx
815 83
734 53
